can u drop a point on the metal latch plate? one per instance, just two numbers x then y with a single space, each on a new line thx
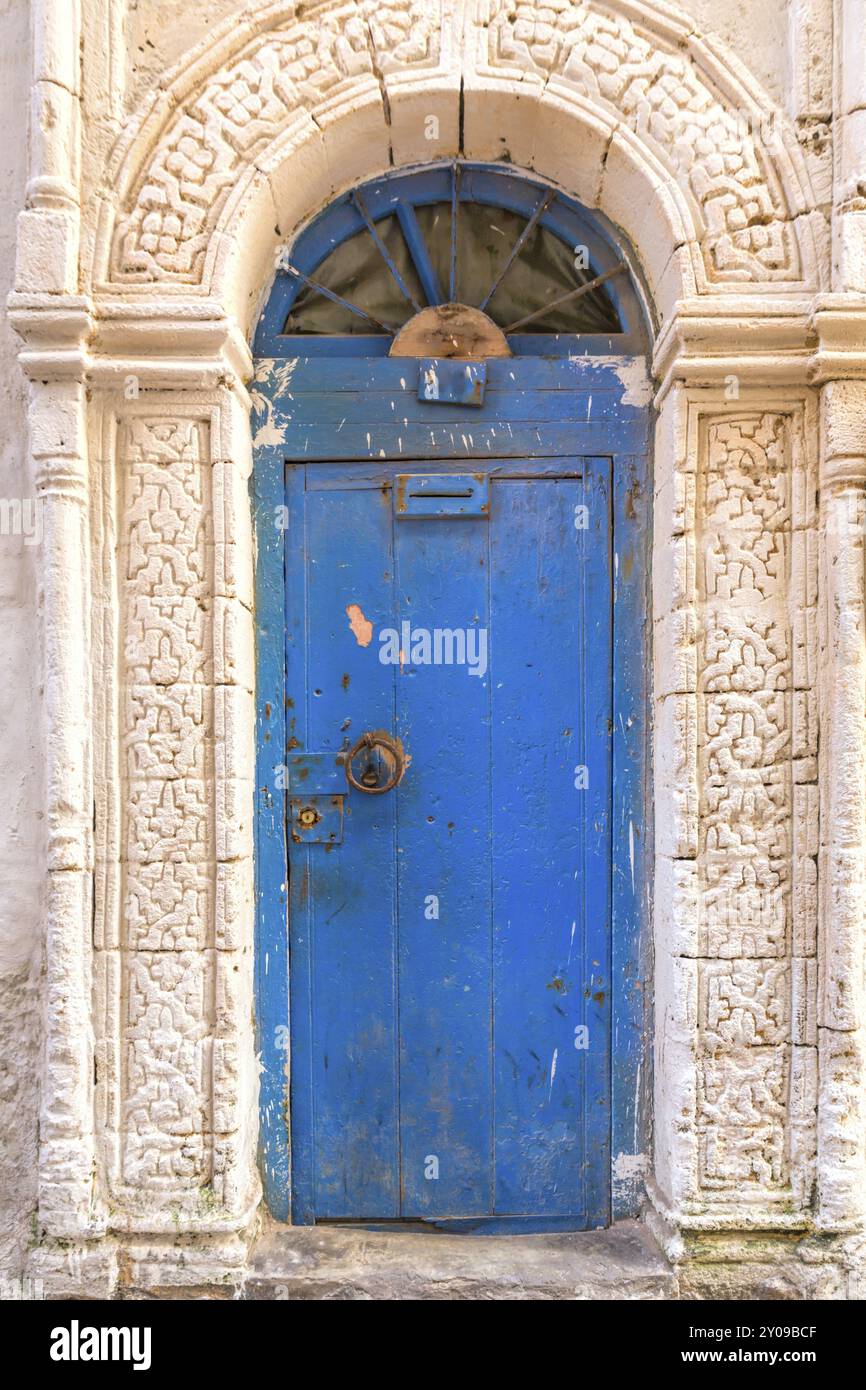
316 774
451 382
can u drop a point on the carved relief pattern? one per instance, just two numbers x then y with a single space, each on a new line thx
755 984
167 728
658 92
246 105
745 677
662 96
743 1120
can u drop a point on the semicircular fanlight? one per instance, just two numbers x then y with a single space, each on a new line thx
521 252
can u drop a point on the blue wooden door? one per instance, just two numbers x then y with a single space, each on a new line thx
450 937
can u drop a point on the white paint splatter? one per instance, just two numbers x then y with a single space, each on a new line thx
553 1071
631 850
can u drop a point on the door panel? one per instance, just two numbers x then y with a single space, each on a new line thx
437 1071
343 898
550 865
443 810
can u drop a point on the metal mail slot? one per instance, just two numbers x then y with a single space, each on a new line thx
442 494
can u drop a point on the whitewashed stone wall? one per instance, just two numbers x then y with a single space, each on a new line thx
22 849
157 199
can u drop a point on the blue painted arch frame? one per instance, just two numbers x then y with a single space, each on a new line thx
279 437
496 186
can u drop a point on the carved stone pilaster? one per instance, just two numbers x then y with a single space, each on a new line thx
758 814
173 950
736 907
842 999
59 456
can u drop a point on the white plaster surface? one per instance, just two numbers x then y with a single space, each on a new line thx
758 34
21 838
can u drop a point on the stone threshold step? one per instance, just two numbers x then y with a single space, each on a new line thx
315 1262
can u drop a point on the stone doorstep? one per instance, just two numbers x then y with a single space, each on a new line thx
316 1262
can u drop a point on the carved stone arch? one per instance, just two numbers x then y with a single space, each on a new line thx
623 103
142 443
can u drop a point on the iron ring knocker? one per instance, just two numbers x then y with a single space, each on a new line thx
394 750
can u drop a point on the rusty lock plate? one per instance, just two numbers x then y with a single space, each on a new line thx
316 820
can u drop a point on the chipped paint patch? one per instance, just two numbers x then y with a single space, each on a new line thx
629 1167
263 368
361 627
269 434
278 370
632 373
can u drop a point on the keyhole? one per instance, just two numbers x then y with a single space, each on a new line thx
308 816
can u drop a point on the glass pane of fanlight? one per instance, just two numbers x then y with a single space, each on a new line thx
434 220
356 270
545 270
